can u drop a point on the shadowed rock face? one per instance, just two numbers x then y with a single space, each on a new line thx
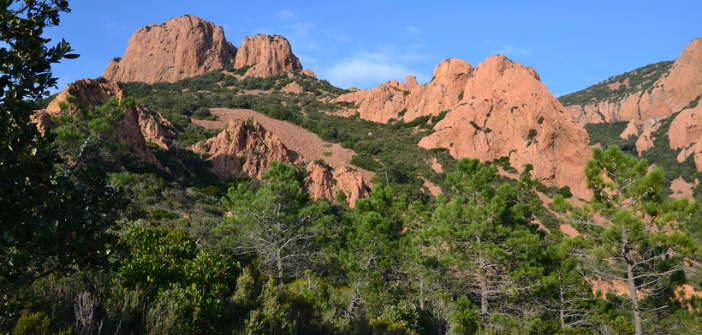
499 109
268 55
181 47
138 126
88 92
250 148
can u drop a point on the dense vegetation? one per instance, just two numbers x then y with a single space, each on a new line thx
190 254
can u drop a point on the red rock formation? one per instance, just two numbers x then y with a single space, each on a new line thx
293 88
246 147
309 73
129 132
379 104
43 120
395 100
686 133
320 182
500 109
268 55
353 185
670 94
444 92
156 129
181 47
88 93
250 148
508 112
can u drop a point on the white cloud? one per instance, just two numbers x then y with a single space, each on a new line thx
368 70
286 14
511 51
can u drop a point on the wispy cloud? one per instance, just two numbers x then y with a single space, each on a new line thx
412 30
512 51
286 15
367 70
338 34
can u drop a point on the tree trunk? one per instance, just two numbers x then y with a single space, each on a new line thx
279 264
484 313
421 293
632 285
562 309
634 297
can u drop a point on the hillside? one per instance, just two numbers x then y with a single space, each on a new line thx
241 194
655 111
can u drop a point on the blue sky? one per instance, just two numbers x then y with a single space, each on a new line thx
572 44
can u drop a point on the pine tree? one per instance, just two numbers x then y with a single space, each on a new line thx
639 235
482 233
276 223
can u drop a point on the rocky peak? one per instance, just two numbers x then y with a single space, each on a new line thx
181 47
88 93
508 112
444 92
268 55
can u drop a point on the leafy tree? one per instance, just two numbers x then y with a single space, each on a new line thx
639 236
483 234
52 220
276 223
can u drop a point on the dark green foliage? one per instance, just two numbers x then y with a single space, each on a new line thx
54 218
607 134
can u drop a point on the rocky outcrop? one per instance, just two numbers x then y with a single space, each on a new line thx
669 94
181 47
443 93
43 121
508 112
86 93
129 132
293 88
323 182
268 55
395 100
320 182
309 73
379 104
156 129
499 109
246 147
685 134
249 147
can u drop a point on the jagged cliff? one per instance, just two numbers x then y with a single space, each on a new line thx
267 55
248 147
499 109
188 46
181 47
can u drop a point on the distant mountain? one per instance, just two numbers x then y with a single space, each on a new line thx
659 102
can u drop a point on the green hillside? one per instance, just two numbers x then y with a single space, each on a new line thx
618 87
96 240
